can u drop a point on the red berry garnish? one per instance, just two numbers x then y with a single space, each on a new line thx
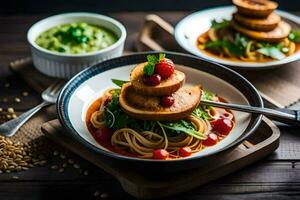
167 101
152 80
185 151
165 68
160 154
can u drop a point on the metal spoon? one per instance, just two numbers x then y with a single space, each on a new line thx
49 96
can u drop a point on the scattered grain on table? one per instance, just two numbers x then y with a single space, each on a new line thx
85 172
17 156
25 94
17 99
10 110
96 193
104 195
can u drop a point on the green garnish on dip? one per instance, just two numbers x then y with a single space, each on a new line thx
76 38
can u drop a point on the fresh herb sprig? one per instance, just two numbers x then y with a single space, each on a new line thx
219 25
294 36
118 82
152 61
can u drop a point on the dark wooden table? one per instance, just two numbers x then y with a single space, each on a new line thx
275 177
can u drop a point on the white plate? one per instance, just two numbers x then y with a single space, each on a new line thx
87 86
188 30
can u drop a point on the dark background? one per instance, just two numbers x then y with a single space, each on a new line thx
104 6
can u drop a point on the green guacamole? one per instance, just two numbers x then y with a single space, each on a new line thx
76 38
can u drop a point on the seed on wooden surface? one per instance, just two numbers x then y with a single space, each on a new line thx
70 161
104 195
54 167
96 193
10 110
62 156
6 85
8 116
1 109
18 100
85 173
15 177
55 153
65 165
61 170
14 116
76 166
25 94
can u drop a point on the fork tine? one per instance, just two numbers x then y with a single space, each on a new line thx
50 88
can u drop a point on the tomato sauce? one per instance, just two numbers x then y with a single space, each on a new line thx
106 144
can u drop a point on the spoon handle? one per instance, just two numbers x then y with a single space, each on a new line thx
286 116
9 128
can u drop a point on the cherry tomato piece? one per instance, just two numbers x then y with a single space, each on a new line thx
185 151
211 140
223 126
103 134
160 154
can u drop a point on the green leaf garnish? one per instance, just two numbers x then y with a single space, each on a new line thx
272 52
118 82
219 25
152 61
294 36
180 127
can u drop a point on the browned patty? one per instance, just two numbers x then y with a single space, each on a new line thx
279 33
166 87
255 8
149 108
258 24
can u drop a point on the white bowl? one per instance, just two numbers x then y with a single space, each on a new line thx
84 88
189 28
62 65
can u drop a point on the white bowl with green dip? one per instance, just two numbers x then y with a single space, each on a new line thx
63 45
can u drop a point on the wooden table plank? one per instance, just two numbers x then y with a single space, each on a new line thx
277 177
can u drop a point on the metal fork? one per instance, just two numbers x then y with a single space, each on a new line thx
283 115
49 96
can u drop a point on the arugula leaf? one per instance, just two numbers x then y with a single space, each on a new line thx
207 95
233 48
272 52
152 61
294 36
118 82
180 127
200 113
219 25
241 40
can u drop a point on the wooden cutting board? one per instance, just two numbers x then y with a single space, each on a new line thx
263 142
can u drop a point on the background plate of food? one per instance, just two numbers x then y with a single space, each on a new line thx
145 109
235 36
